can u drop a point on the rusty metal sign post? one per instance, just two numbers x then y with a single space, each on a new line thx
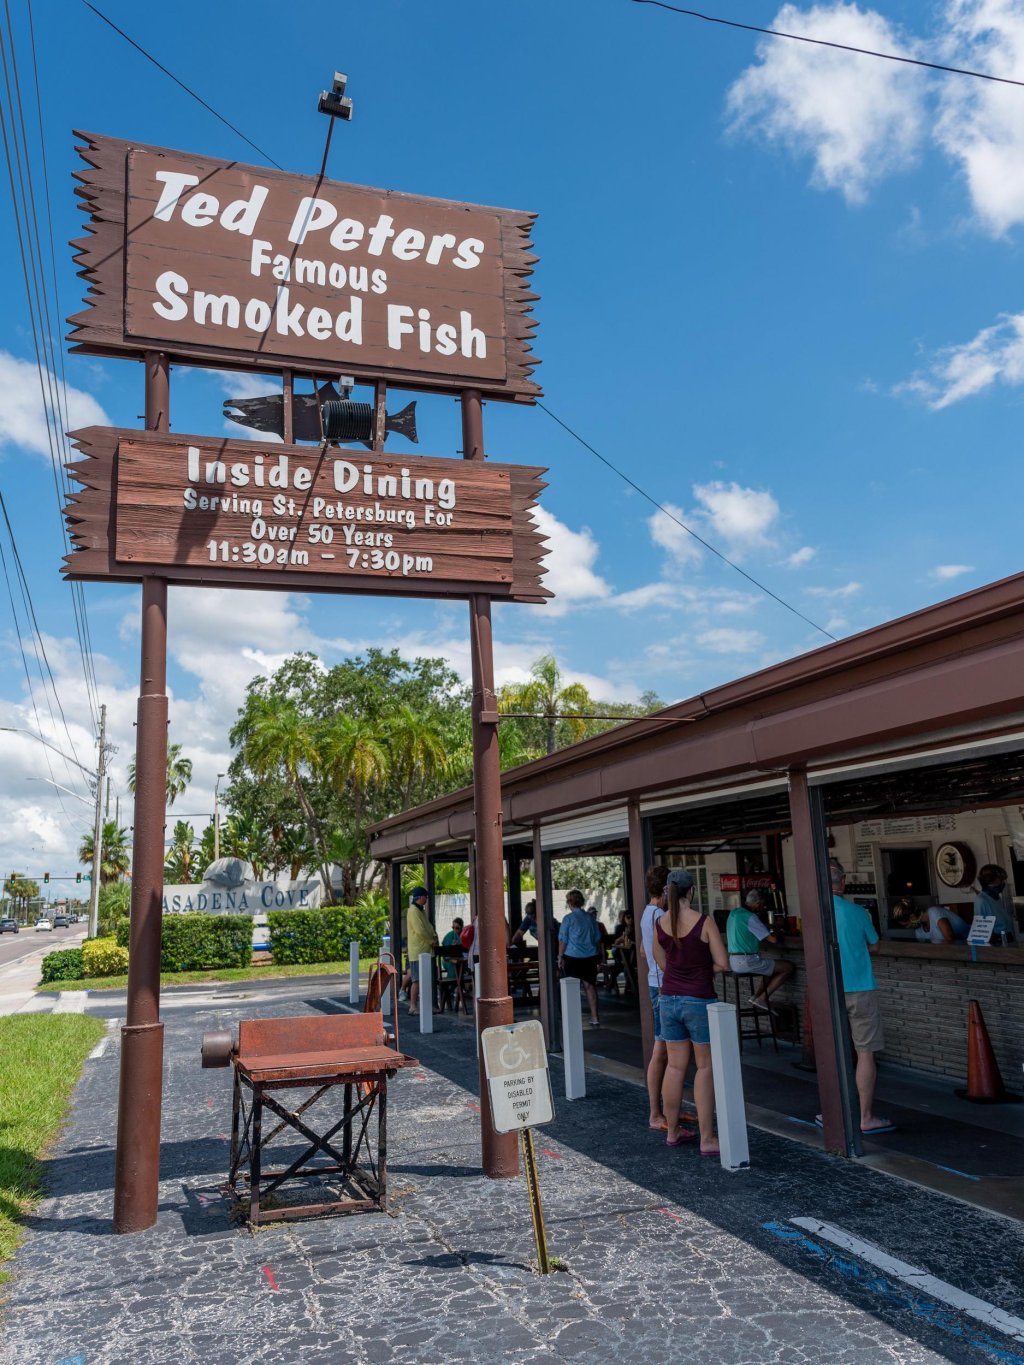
213 263
518 1088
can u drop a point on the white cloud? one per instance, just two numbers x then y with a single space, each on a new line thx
979 123
23 420
802 556
995 355
741 516
944 572
659 594
828 594
858 118
725 640
569 565
668 535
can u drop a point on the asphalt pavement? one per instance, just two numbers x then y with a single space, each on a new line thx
29 940
663 1256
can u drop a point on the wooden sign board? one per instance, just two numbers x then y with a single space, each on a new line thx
240 267
195 509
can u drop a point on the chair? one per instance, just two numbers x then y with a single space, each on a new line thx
453 990
763 1021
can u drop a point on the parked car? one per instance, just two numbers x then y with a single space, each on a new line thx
8 926
43 923
61 921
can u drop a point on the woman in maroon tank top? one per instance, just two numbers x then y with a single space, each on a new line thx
688 950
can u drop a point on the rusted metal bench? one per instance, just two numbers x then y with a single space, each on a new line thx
318 1054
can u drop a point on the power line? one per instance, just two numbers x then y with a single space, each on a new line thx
824 42
188 90
21 182
761 587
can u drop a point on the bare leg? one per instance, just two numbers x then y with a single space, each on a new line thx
678 1061
783 971
591 1001
414 998
655 1077
867 1073
704 1097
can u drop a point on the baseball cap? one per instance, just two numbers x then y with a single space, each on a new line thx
417 892
681 878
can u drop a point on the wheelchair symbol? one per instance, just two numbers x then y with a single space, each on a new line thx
513 1056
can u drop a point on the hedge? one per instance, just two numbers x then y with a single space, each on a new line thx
66 964
192 942
302 936
104 957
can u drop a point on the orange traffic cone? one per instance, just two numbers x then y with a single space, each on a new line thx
807 1061
984 1082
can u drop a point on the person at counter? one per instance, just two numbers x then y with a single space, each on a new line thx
989 901
857 941
937 924
745 931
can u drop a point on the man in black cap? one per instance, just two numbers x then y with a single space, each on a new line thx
420 938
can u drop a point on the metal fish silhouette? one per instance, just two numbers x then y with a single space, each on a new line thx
267 414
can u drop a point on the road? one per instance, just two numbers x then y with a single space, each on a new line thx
13 947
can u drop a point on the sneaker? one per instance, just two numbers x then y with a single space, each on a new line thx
761 1005
595 1023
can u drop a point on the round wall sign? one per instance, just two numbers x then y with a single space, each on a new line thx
955 864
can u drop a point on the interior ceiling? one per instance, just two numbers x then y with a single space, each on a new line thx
994 780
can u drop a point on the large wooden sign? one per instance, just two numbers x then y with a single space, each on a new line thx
195 509
237 266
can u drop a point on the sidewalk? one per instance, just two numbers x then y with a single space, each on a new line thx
668 1257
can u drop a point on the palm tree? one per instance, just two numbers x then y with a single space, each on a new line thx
180 862
114 857
351 752
417 749
280 739
179 773
545 694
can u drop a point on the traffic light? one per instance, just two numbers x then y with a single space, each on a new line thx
78 876
46 877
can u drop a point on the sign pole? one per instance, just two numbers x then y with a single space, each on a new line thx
494 1005
137 1162
540 1236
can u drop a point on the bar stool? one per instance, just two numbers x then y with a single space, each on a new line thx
761 1019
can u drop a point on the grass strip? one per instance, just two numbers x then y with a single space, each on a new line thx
261 973
41 1057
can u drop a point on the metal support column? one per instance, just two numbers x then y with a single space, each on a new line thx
515 888
641 856
836 1088
137 1161
430 881
547 951
395 897
494 1004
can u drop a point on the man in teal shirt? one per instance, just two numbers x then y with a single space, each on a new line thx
857 941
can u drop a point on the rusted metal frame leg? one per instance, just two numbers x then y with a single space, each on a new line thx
382 1143
317 1142
367 1101
346 1141
236 1118
255 1153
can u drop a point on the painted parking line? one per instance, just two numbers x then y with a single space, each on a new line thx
983 1312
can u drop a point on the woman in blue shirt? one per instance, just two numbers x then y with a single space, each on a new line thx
579 941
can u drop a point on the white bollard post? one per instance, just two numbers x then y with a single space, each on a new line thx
426 992
572 1039
385 999
353 972
725 1066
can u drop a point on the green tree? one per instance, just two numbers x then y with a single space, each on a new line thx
545 694
180 861
21 890
115 859
179 773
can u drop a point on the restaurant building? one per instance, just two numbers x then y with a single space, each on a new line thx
901 752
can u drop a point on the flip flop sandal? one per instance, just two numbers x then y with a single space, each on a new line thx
680 1141
716 1152
882 1128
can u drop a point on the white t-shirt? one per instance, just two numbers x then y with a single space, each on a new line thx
647 923
933 934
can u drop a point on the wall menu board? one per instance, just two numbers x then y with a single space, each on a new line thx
217 262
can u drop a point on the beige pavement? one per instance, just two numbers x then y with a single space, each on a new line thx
18 980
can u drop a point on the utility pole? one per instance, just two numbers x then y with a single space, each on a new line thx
97 833
216 817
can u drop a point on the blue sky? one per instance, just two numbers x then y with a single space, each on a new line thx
779 287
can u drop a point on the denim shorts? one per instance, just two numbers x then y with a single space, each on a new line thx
655 993
684 1019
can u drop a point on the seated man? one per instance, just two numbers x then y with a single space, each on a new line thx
745 932
453 939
